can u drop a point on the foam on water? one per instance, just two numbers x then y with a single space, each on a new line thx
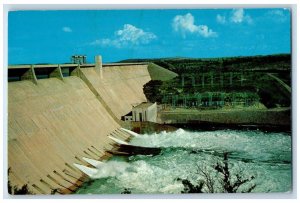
266 156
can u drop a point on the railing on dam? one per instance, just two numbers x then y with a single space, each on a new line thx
40 71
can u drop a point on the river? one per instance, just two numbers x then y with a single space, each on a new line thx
266 156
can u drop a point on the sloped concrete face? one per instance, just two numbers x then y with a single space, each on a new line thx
120 86
53 123
50 126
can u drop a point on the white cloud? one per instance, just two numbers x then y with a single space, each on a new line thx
239 16
66 29
221 19
134 35
129 35
185 24
278 15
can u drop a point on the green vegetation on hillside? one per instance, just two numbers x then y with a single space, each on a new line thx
231 76
247 63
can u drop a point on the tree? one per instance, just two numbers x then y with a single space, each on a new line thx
152 91
229 183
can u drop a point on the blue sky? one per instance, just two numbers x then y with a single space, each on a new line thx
54 36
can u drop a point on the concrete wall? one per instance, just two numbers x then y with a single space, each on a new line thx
150 127
53 123
281 117
120 87
148 113
152 113
51 126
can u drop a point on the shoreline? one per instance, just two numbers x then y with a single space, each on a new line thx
210 126
276 118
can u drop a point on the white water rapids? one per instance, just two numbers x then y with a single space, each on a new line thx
264 155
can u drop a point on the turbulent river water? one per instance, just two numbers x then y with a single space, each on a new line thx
264 155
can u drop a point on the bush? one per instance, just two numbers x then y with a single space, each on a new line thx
126 191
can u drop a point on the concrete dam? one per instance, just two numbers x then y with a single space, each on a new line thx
66 118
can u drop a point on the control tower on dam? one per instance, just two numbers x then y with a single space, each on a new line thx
61 114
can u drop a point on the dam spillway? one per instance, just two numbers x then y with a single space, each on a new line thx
55 122
119 84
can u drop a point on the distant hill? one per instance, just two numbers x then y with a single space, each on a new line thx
152 59
176 58
179 65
